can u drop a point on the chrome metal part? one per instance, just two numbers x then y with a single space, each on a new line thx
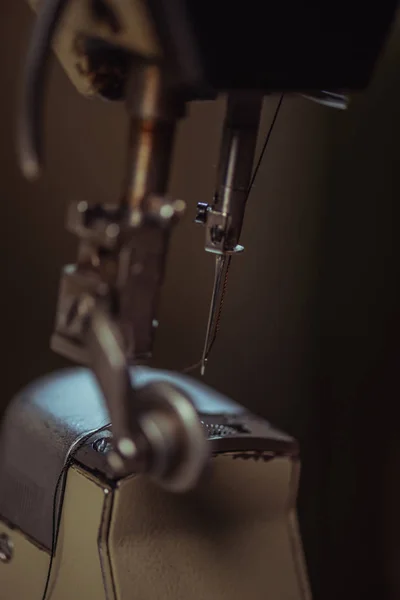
155 429
131 447
107 307
221 265
225 217
176 436
123 247
102 445
79 292
116 258
217 225
329 99
98 225
202 213
141 264
149 156
154 108
151 93
6 548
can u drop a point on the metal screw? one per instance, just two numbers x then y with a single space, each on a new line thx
102 445
217 234
201 213
6 548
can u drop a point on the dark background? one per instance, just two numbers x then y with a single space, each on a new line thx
310 327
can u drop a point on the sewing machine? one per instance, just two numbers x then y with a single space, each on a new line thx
118 480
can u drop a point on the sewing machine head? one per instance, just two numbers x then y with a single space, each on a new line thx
156 56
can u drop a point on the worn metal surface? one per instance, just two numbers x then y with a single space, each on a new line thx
223 218
43 422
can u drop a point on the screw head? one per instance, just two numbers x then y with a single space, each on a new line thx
6 548
201 213
217 234
102 445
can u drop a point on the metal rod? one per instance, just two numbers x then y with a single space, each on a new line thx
238 146
150 149
154 111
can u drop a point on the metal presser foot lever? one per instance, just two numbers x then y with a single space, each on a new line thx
108 299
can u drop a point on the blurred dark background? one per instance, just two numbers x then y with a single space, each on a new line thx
310 327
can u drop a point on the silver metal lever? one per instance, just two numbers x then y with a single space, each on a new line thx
156 429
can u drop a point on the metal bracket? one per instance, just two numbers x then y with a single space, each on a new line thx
217 226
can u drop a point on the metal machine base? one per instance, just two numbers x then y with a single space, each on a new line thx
235 536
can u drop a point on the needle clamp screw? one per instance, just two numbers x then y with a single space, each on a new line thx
202 213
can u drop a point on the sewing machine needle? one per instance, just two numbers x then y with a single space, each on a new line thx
220 263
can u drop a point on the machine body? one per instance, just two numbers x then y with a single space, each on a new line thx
82 454
235 534
107 309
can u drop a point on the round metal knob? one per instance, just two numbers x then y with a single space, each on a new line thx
179 448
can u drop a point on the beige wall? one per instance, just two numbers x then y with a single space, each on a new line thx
310 305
